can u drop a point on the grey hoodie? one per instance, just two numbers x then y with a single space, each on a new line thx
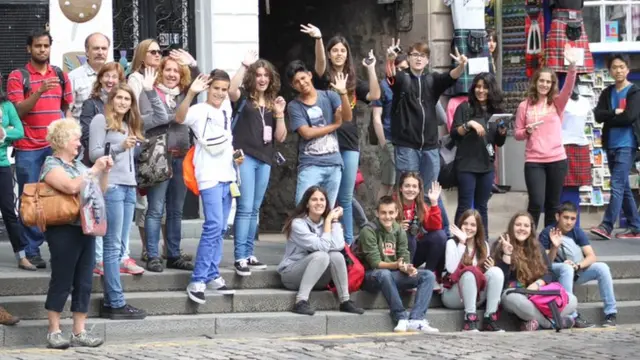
307 237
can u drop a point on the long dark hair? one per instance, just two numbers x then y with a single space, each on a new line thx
478 240
348 69
3 95
418 202
302 210
494 95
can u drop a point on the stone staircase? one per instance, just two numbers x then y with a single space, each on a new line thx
260 307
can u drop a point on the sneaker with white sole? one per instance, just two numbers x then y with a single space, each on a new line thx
219 286
195 290
57 340
129 266
85 339
254 264
242 268
402 326
422 326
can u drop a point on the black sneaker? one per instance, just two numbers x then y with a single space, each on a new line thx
195 290
155 265
602 232
242 268
105 312
254 264
490 323
179 263
470 322
349 307
610 320
581 323
228 235
127 312
37 261
567 322
304 308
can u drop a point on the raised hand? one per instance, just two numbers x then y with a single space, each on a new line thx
460 59
200 84
488 263
505 242
311 30
434 193
458 234
250 57
182 57
556 237
149 78
391 50
340 83
279 105
570 54
370 57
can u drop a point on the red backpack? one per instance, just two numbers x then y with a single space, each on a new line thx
355 271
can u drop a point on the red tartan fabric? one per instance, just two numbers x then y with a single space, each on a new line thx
556 40
579 162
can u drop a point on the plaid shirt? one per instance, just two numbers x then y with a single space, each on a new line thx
82 80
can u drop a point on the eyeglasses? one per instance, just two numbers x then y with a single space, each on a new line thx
417 55
155 52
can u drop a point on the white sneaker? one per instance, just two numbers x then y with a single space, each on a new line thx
421 325
402 326
219 286
195 290
254 264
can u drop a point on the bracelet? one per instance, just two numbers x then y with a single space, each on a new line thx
341 93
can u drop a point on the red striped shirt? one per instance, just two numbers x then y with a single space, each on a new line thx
46 110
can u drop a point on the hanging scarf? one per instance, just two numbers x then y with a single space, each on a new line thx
104 96
169 95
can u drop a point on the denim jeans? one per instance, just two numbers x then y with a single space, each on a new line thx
171 192
620 164
121 202
28 166
597 271
474 191
255 180
427 163
350 159
100 249
216 204
327 177
391 282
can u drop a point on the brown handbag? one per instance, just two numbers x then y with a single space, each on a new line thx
41 205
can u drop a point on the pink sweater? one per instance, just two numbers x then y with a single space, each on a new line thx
544 145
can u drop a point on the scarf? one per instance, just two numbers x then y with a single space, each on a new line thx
169 95
104 96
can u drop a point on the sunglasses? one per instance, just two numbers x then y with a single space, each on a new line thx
155 52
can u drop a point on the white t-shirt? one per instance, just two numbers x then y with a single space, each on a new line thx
467 14
207 122
573 122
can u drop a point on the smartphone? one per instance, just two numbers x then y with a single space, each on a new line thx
280 160
238 154
107 149
537 123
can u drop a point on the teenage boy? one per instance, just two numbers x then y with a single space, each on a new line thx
575 261
414 125
316 115
216 175
382 248
619 108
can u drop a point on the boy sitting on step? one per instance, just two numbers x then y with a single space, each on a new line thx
382 248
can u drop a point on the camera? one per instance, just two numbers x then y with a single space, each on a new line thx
414 228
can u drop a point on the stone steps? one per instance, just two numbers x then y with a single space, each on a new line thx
263 324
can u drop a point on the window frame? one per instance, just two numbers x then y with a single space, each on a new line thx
621 46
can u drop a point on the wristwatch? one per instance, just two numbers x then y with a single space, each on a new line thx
465 126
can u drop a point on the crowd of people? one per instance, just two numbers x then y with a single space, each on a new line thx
228 141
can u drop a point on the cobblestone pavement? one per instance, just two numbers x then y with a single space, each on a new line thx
621 343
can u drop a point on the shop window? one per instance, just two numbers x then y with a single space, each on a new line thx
612 25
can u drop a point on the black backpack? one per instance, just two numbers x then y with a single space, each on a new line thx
26 81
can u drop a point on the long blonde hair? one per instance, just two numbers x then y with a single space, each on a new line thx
139 54
132 118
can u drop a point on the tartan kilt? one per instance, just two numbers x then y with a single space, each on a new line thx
464 82
579 163
556 40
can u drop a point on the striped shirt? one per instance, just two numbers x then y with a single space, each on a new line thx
82 80
46 110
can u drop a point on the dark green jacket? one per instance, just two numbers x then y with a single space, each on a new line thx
376 244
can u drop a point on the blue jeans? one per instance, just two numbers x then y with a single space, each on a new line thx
216 204
390 282
620 164
255 180
327 177
28 166
474 191
172 192
351 160
597 271
427 163
121 202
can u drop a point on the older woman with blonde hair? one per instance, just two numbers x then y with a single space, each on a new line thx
72 252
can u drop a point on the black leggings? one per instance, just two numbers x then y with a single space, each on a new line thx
8 210
544 186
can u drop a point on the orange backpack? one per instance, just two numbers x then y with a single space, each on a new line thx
189 172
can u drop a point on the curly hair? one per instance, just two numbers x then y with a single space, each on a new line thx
96 91
183 70
532 92
494 95
348 68
419 201
527 257
249 82
60 132
132 118
478 240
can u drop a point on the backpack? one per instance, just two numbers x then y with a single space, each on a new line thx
550 300
235 116
26 80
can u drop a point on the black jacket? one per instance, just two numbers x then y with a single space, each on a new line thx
603 113
413 112
90 108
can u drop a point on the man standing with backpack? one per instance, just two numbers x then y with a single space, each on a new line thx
41 94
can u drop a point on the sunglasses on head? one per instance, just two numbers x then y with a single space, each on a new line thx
155 52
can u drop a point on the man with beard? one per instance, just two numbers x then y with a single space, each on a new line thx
41 94
96 47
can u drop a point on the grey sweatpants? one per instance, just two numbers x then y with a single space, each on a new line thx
495 280
315 271
522 307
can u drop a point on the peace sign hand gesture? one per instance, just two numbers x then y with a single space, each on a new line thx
460 59
311 30
392 51
340 83
505 242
